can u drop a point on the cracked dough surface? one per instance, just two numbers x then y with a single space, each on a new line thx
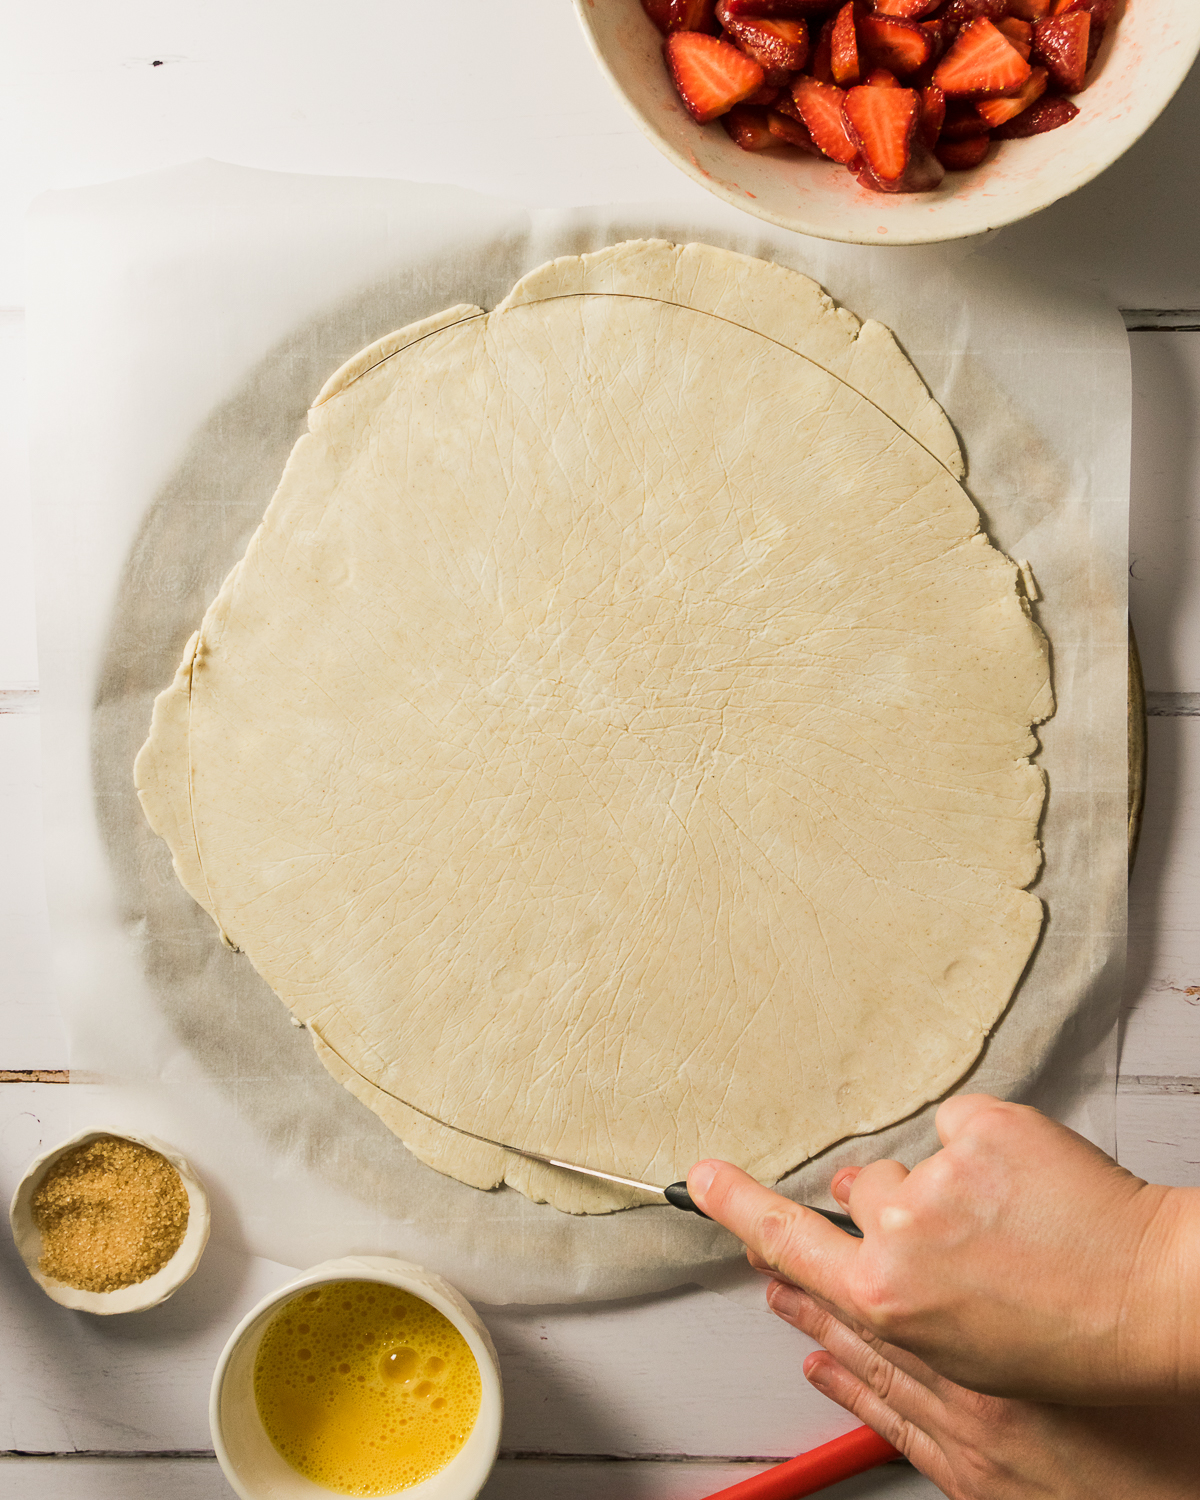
615 738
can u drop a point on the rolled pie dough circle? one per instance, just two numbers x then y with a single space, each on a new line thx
615 740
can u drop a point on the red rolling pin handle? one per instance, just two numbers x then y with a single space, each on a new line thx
854 1453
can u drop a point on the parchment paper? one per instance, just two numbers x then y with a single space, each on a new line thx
179 326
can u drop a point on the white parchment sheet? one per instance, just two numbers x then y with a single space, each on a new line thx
180 324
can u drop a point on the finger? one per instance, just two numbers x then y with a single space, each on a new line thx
955 1114
905 1382
840 1186
832 1379
796 1243
759 1264
872 1192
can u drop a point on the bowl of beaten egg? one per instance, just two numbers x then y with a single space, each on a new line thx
365 1376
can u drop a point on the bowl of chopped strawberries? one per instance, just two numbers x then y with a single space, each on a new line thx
893 121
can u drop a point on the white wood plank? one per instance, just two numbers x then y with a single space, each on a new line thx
112 1479
1162 1005
1164 516
542 125
513 1479
1158 1137
18 645
31 1031
686 1373
537 122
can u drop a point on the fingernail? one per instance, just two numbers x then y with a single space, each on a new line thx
701 1176
783 1300
814 1371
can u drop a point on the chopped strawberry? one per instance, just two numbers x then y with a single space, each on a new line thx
786 105
774 45
694 15
900 46
957 156
923 173
881 123
997 111
933 112
682 15
904 10
981 61
711 76
1046 114
820 106
790 132
1060 44
1030 10
1095 37
843 56
821 67
1101 11
963 121
775 8
1019 33
764 96
748 127
659 12
880 78
940 33
961 12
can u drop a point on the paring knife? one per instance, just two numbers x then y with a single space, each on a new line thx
676 1193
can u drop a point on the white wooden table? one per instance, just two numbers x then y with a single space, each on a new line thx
670 1397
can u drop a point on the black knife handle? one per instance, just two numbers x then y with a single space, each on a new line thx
677 1196
843 1221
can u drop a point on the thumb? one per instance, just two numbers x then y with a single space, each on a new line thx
798 1244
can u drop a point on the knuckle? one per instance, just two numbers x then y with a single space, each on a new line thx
776 1230
880 1374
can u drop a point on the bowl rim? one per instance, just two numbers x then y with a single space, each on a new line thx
139 1296
426 1285
1138 122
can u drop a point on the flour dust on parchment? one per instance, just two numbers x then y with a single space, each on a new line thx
615 740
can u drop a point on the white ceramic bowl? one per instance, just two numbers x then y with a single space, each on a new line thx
252 1464
143 1294
1143 61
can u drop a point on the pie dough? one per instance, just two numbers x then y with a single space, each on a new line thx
615 740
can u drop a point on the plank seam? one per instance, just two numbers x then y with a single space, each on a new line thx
1161 319
34 1075
1151 1083
1173 705
18 700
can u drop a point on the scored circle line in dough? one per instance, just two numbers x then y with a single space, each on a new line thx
334 387
481 1169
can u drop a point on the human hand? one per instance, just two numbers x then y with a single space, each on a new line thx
1019 1260
977 1447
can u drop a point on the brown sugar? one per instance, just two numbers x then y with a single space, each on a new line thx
111 1213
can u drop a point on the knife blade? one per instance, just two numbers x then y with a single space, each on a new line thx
676 1193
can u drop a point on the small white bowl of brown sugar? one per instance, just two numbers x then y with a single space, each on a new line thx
110 1223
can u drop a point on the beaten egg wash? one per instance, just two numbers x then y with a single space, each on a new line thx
364 1388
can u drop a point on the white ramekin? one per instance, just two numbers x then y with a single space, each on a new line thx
142 1294
246 1454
